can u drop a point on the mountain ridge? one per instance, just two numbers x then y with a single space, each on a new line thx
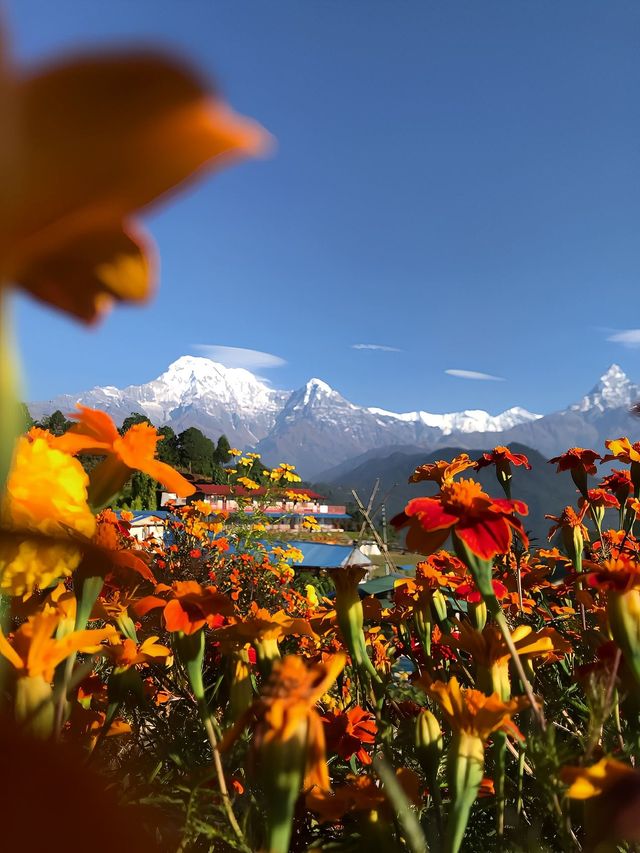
316 428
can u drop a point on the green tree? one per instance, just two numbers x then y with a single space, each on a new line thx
131 420
168 447
222 455
56 423
195 452
139 493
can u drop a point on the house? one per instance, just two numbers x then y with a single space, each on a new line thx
286 512
147 524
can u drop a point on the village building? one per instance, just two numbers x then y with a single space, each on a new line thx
285 513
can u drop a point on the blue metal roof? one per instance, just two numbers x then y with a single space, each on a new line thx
323 555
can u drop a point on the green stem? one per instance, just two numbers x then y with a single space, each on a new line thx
411 829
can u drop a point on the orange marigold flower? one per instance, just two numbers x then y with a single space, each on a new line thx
618 482
286 712
587 782
576 458
34 652
127 653
600 498
442 471
46 494
502 458
484 524
622 450
127 127
568 521
620 573
473 713
96 433
190 606
359 794
346 732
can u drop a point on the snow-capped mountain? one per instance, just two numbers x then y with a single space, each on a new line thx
471 420
614 391
316 428
191 392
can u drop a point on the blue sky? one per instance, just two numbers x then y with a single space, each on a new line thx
456 181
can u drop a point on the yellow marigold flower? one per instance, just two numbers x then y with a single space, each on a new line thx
248 483
311 594
46 493
310 523
203 507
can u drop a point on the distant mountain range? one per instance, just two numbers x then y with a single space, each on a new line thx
542 489
317 429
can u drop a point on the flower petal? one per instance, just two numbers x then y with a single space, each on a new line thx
86 272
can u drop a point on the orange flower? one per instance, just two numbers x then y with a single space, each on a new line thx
286 712
484 524
600 499
576 458
586 782
502 458
618 482
622 450
473 713
89 141
189 608
34 652
442 471
569 522
127 654
96 433
347 732
360 794
490 654
617 573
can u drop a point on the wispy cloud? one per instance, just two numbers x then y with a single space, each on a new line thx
250 359
380 347
626 337
474 374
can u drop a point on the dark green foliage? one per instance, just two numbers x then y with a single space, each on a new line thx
133 419
222 455
56 423
195 452
139 493
168 447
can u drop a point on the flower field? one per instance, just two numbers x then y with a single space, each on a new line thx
197 691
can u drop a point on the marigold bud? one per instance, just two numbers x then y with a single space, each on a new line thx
34 706
623 610
465 768
429 743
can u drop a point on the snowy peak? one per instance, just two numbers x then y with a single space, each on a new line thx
613 390
192 377
315 398
470 420
315 425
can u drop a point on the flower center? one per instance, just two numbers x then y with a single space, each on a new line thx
462 495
